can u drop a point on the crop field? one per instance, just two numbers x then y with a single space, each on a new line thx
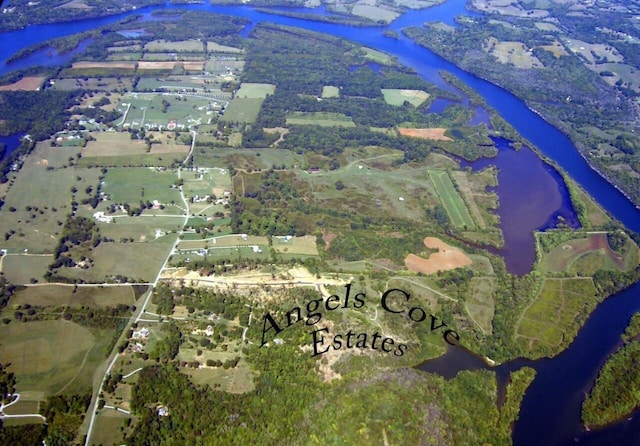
393 96
124 48
96 69
107 427
125 56
255 91
446 258
140 160
473 187
295 245
131 185
378 56
52 356
183 46
556 314
324 119
36 203
451 200
242 110
22 268
218 66
587 255
145 110
67 295
236 380
480 303
113 144
329 91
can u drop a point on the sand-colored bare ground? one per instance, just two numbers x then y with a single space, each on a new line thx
194 65
434 133
447 257
156 65
27 83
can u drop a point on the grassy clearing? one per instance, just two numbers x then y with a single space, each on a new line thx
52 356
589 254
474 187
374 13
245 158
213 47
22 268
451 200
37 204
329 91
394 96
295 245
554 317
255 91
236 380
481 305
113 144
131 185
242 110
106 430
324 119
183 46
139 261
378 56
515 53
68 295
92 83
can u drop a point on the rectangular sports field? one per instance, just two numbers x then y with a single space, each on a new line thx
451 200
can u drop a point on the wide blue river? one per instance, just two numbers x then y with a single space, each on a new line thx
551 408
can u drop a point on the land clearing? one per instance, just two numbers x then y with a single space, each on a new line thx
514 53
329 91
288 245
447 257
589 254
451 200
323 119
242 110
188 46
49 356
62 295
364 9
481 304
437 134
213 47
27 83
556 314
255 91
24 268
393 96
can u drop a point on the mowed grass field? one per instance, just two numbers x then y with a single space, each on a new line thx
245 158
139 261
22 268
117 144
480 304
451 200
556 314
324 119
255 91
329 91
393 96
52 356
38 202
295 245
69 296
131 185
145 110
242 110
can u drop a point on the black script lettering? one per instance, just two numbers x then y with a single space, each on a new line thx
400 350
274 326
383 300
386 341
330 299
453 334
433 320
310 312
319 339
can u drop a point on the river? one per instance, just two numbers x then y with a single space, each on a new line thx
551 407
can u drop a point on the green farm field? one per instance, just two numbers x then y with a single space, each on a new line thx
22 268
67 295
480 304
451 200
242 110
52 356
329 91
554 317
398 97
255 91
115 144
37 204
186 46
139 261
305 245
323 119
145 110
131 185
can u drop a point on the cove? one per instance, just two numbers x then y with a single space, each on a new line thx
550 410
